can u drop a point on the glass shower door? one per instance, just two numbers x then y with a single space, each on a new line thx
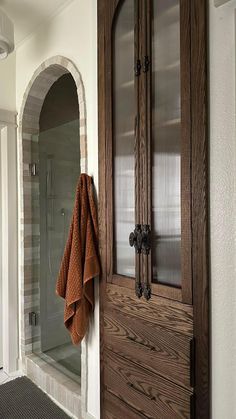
57 173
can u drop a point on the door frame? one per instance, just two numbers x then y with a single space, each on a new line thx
199 187
9 242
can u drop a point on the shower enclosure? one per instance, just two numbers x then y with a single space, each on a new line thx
56 173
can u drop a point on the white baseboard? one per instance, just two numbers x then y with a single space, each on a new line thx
88 416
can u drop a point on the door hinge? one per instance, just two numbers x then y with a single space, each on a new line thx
146 64
192 362
137 68
32 318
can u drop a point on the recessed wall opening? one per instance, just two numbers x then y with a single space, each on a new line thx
52 154
56 164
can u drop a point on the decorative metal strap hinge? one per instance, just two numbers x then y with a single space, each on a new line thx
146 64
140 239
147 292
137 68
138 289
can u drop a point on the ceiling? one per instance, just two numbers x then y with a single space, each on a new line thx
29 14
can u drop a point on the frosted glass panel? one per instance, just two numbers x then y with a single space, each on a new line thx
123 138
166 137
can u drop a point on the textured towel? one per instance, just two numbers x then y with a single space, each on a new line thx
80 263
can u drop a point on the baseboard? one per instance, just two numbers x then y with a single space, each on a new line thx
88 416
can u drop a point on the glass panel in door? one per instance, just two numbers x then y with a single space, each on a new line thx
166 143
124 138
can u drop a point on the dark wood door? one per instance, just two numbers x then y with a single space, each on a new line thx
154 290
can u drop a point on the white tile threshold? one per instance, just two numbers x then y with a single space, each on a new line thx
65 392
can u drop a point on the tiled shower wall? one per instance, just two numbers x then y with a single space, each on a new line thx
34 97
59 162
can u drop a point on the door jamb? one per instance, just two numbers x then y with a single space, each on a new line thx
200 223
9 241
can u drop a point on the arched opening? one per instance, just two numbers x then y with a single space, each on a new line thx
52 154
58 169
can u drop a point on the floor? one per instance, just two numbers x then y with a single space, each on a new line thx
4 377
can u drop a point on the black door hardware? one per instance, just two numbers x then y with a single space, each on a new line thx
140 239
146 64
137 68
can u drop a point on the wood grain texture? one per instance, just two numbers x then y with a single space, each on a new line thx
186 234
152 396
116 409
138 216
111 8
167 291
144 178
163 352
174 316
102 182
200 205
169 314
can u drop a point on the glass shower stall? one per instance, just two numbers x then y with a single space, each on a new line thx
56 173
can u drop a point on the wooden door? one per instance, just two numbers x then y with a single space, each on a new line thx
152 129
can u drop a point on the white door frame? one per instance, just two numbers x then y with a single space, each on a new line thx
9 242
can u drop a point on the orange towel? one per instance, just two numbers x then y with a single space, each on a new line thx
80 263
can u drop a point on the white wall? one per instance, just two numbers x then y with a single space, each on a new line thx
73 34
223 209
7 102
8 269
8 83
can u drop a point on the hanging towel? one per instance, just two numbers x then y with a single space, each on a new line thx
80 262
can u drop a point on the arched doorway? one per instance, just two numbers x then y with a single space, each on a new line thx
42 219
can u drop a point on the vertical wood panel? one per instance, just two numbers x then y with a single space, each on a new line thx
138 216
102 183
200 204
143 135
186 239
109 15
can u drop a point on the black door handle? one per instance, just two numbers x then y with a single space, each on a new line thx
140 239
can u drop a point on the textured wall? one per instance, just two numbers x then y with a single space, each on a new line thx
223 209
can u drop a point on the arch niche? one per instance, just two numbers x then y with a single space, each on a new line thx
43 78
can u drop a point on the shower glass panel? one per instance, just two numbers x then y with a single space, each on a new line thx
57 171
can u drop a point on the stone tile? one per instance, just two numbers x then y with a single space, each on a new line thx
77 406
